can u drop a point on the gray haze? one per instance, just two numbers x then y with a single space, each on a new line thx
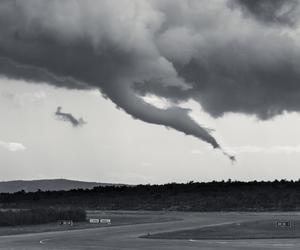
206 51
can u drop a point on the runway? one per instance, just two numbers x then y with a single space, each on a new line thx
127 237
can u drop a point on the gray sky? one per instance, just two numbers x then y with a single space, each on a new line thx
231 66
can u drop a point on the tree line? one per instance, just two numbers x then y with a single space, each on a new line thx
193 196
39 216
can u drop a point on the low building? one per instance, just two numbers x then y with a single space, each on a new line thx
94 221
65 222
105 221
99 221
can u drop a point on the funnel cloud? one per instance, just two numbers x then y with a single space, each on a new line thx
177 50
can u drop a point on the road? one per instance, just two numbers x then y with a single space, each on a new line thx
127 237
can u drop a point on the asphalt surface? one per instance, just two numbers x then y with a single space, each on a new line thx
127 237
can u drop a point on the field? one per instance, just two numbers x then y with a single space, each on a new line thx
128 234
261 229
118 218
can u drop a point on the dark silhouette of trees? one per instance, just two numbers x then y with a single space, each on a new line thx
39 216
193 196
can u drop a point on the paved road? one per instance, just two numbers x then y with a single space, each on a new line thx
126 237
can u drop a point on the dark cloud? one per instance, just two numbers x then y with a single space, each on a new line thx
69 118
28 73
271 11
178 50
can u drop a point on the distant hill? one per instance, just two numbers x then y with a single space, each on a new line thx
48 184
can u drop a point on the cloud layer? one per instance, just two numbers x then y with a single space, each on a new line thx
208 51
279 12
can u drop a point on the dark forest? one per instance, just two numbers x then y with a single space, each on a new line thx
193 196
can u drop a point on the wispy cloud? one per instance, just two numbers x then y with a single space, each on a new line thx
12 146
69 118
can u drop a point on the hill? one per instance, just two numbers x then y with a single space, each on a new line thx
47 185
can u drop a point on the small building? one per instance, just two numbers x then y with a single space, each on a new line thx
99 221
105 221
94 221
65 222
284 224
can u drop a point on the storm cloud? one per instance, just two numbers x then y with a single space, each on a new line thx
282 12
204 51
69 118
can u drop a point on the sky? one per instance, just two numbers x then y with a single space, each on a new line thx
150 91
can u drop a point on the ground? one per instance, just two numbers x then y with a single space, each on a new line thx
128 236
259 229
118 218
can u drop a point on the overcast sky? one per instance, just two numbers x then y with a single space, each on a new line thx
150 91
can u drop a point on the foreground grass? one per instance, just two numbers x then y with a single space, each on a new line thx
264 229
117 219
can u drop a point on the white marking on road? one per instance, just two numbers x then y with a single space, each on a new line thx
43 241
222 242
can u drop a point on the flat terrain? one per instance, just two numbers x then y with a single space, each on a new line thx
261 229
128 236
118 218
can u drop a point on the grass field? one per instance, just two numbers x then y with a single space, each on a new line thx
190 226
262 229
117 218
